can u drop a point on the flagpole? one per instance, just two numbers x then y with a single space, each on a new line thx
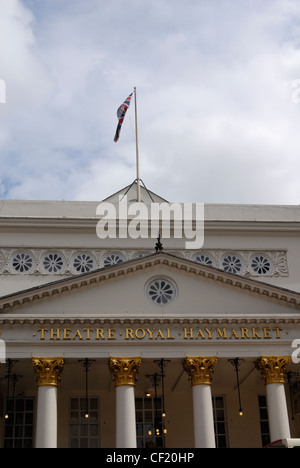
137 152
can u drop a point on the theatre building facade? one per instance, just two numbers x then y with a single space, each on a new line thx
123 342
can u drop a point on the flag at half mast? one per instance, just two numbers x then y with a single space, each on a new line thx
121 115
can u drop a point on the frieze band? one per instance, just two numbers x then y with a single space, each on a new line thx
152 333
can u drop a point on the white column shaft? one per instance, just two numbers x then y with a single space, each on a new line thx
204 431
46 427
125 418
277 412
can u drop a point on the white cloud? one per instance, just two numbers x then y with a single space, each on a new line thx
216 118
26 79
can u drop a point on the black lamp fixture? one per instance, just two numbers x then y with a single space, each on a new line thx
86 363
237 364
10 364
162 364
159 428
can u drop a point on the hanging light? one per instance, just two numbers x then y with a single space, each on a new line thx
237 364
86 363
162 363
10 364
156 421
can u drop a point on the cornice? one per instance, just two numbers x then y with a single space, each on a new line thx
291 227
93 319
257 288
62 223
47 223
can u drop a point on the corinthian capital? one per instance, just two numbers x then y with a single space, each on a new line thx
200 369
273 368
124 370
47 371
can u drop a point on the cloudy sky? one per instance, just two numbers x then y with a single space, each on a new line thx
218 86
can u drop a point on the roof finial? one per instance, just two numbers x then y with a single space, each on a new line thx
158 245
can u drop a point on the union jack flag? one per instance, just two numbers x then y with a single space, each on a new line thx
121 112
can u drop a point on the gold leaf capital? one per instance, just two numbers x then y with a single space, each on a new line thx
124 370
47 371
200 369
273 368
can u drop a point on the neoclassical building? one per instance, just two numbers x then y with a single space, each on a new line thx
125 342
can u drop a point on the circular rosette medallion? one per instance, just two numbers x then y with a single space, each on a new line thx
161 291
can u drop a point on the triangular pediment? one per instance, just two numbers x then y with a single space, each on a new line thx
120 293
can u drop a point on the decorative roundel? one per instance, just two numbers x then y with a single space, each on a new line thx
83 263
113 259
261 265
161 291
204 259
2 262
23 262
232 264
53 262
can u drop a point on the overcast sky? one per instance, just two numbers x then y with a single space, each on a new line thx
218 99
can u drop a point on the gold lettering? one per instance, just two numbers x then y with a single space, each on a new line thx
188 334
278 330
150 333
129 334
77 335
200 334
221 334
267 335
100 334
245 333
169 337
67 332
54 333
88 331
160 333
140 336
255 334
209 333
234 334
111 334
42 330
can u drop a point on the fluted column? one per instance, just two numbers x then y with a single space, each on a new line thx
125 371
47 373
273 370
200 370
